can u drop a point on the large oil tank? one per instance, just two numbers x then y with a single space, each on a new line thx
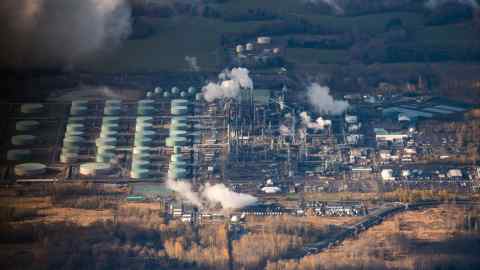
76 120
30 169
69 157
144 119
95 169
32 108
142 150
105 157
146 110
140 174
110 127
143 126
73 141
141 164
179 120
106 149
19 155
108 133
110 120
75 127
23 140
106 141
192 91
179 110
143 141
112 110
27 125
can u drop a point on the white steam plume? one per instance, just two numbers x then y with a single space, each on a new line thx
333 4
211 195
320 98
184 189
432 4
192 63
229 85
320 123
59 33
219 193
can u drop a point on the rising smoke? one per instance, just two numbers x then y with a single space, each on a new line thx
432 4
318 124
320 98
209 195
59 33
230 83
192 63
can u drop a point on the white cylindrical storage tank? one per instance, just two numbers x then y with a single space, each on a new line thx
144 119
175 91
19 155
73 141
68 157
30 169
113 102
191 90
239 49
110 120
387 174
264 40
27 125
75 127
137 150
141 164
110 127
105 157
106 149
139 174
76 120
22 140
31 108
139 127
179 110
80 110
276 50
249 47
143 141
106 141
95 169
158 90
112 110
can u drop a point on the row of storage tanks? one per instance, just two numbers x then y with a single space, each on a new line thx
75 137
144 140
181 134
27 169
175 93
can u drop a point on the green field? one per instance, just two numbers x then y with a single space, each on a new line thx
173 39
180 36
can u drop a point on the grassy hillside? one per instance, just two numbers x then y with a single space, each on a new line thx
175 37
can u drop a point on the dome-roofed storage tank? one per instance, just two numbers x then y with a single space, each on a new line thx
19 155
73 141
143 141
23 140
76 120
144 119
192 91
105 157
140 174
112 110
30 169
183 94
31 108
95 169
175 90
113 102
158 90
27 125
75 127
166 94
69 157
139 127
110 127
142 150
106 141
198 97
106 149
